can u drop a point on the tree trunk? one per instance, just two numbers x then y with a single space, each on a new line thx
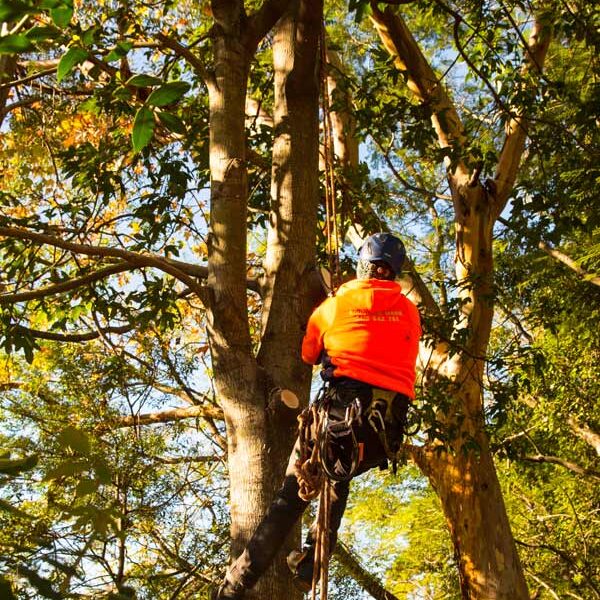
287 294
463 473
466 483
261 430
8 64
236 373
464 476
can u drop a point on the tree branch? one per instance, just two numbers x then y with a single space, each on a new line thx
66 286
24 80
422 81
8 66
195 62
263 20
366 580
558 255
555 460
586 433
516 127
177 460
20 104
567 260
166 416
86 336
136 259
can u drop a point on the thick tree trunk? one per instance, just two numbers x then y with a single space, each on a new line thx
465 480
261 430
464 476
239 386
287 284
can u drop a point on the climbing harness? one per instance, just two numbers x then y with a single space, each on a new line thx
329 450
319 430
334 429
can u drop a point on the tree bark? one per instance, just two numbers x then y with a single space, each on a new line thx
463 472
290 256
8 65
235 370
261 431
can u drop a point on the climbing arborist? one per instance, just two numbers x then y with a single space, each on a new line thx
366 338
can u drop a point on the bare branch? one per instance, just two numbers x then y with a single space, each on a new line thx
586 433
28 79
555 460
403 180
355 569
133 258
165 416
10 385
559 255
20 104
177 460
66 286
195 62
422 81
516 127
86 336
567 260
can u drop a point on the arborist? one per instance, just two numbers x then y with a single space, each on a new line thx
366 338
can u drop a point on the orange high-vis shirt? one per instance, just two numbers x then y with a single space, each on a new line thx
370 331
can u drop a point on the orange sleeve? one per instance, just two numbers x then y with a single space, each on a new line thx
312 344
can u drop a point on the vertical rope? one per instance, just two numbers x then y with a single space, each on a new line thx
331 217
321 560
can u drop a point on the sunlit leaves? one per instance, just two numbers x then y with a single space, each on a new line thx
143 128
168 93
14 43
69 60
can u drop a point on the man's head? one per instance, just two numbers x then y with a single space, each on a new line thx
380 257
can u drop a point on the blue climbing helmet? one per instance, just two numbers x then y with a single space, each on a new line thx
384 247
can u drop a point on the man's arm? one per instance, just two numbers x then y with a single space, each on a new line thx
312 344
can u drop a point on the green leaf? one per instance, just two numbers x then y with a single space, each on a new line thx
39 34
119 51
74 439
13 10
86 487
142 80
62 15
168 93
66 469
13 44
143 128
172 122
72 57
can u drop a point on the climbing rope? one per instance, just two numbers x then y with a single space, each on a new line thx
308 464
321 562
331 218
314 474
